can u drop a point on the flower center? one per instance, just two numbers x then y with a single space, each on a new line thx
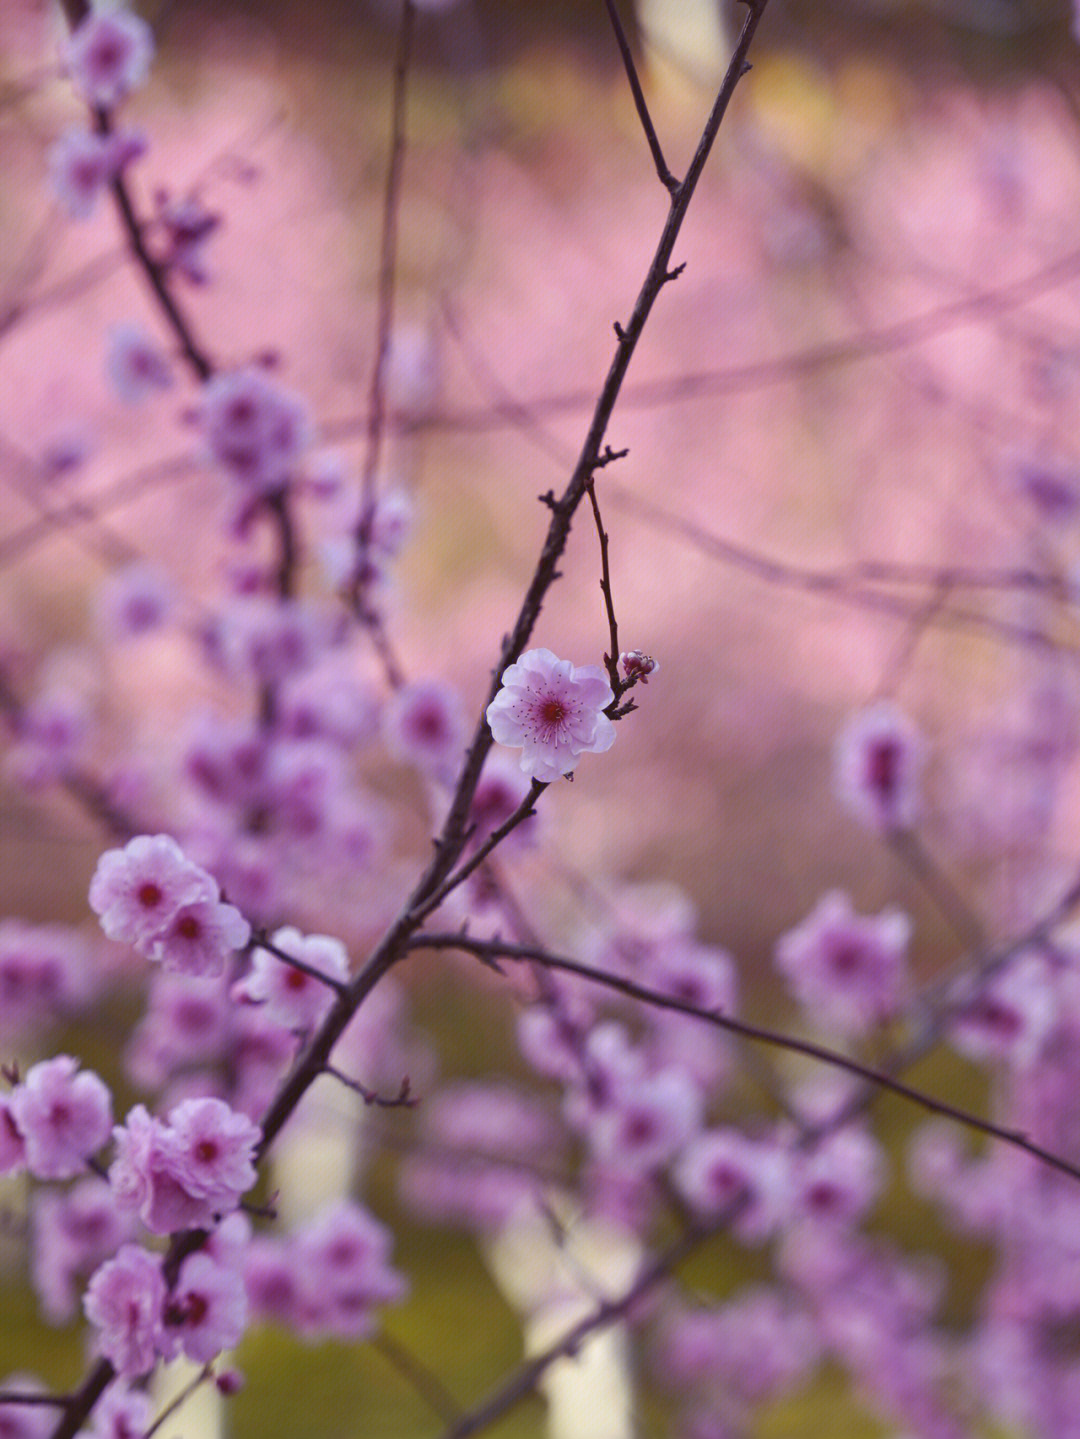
553 711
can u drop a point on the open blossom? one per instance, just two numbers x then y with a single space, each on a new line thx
82 163
553 711
879 758
292 996
254 429
63 1116
848 970
182 1173
108 56
207 1310
150 895
124 1303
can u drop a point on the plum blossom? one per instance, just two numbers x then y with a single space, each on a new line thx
124 1302
63 1116
878 760
291 995
136 890
135 364
122 1413
425 724
25 1421
553 711
82 164
134 601
182 1173
256 430
74 1231
344 1256
848 970
150 895
108 56
206 1312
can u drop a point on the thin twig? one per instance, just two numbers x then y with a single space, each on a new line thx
878 1079
667 179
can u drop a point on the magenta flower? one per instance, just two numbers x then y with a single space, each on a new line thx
425 725
553 711
182 1174
344 1255
293 997
63 1116
108 56
123 1302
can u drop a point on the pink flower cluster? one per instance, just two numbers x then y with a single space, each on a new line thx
140 1320
327 1278
184 1172
254 429
151 896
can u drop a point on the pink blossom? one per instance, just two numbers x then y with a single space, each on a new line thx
849 971
839 1179
553 712
26 1421
134 601
256 430
80 168
137 890
643 1126
636 665
73 1232
206 1312
63 1115
425 725
44 974
122 1413
123 1302
108 56
212 1149
12 1141
878 760
184 1173
293 997
188 225
723 1167
135 364
200 938
344 1255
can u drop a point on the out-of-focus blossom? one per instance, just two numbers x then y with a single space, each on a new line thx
108 56
82 164
553 711
134 601
255 429
424 724
848 970
292 996
135 364
879 759
64 1116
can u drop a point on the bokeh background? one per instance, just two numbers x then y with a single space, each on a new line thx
858 399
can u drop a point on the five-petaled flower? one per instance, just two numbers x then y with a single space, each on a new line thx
553 711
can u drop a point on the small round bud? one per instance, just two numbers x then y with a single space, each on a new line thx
638 666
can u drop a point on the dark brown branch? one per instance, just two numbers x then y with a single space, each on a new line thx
667 179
